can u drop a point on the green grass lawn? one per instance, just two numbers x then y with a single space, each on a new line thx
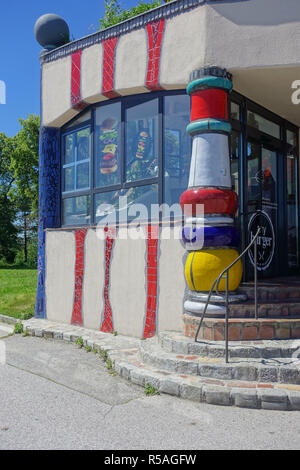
17 291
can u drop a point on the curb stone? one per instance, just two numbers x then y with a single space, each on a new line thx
245 399
9 320
123 352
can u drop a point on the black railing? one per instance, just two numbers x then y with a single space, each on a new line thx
215 286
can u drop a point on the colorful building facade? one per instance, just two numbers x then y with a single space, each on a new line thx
194 102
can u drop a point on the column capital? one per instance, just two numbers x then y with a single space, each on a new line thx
210 71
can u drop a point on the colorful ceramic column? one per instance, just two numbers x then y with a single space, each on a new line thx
209 235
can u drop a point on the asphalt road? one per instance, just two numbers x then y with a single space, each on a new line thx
56 396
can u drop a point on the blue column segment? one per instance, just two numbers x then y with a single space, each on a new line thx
48 204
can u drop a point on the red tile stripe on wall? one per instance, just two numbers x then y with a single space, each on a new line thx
152 262
76 100
107 321
155 33
109 47
79 268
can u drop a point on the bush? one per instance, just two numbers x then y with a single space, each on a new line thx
18 328
31 256
114 13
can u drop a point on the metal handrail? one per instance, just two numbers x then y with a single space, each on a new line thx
216 283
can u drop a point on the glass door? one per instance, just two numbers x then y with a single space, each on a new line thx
262 208
292 228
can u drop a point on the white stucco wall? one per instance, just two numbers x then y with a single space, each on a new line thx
239 35
60 269
56 92
91 76
171 283
131 63
183 47
93 282
128 286
128 281
253 33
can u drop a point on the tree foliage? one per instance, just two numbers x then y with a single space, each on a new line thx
114 13
25 164
19 157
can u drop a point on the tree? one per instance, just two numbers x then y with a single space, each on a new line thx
25 168
19 174
8 232
25 163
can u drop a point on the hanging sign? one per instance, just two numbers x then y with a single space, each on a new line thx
265 240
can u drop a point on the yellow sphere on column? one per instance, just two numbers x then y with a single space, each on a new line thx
203 267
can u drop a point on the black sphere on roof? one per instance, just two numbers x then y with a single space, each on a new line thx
51 31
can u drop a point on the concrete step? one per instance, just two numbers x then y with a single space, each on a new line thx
282 370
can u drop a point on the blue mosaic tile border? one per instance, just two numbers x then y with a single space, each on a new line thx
49 216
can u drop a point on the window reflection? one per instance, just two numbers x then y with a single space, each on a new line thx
142 141
108 145
234 111
263 124
76 210
125 204
234 160
254 176
177 147
291 196
76 160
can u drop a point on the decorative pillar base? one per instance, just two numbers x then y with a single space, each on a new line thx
209 204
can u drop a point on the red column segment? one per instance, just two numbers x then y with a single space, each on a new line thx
76 100
155 34
79 273
210 103
109 47
107 319
215 201
152 264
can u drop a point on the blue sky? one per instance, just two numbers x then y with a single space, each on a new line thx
19 51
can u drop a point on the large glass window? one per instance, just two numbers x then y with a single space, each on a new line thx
262 124
235 111
234 160
126 204
76 210
292 198
177 147
107 171
76 160
139 151
141 135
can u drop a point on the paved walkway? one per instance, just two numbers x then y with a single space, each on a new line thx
54 395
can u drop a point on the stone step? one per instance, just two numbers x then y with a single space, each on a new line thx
263 349
276 290
213 329
125 358
266 309
275 396
282 370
